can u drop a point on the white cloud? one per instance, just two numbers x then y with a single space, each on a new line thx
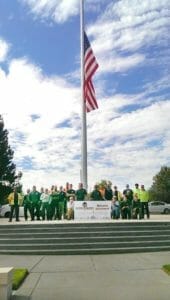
129 26
124 26
58 11
132 145
119 64
32 90
135 7
4 48
25 92
117 143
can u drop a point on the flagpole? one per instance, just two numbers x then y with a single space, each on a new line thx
83 120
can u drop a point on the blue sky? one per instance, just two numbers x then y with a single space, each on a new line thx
129 135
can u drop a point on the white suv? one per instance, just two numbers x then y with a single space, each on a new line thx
5 211
159 207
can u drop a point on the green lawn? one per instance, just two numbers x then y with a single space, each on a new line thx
166 268
18 277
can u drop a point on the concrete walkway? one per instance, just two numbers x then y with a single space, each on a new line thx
93 277
153 218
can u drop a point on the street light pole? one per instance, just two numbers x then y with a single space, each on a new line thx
1 122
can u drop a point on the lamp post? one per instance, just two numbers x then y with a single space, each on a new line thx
17 181
1 122
1 126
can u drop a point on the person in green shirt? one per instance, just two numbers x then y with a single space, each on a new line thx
61 201
144 199
125 208
81 193
35 203
136 207
95 194
70 192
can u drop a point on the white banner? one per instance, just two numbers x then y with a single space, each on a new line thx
92 210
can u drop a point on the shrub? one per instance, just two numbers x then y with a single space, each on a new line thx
166 268
18 277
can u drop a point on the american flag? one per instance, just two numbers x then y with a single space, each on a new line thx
90 67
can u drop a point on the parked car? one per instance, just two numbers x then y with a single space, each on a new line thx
5 211
159 207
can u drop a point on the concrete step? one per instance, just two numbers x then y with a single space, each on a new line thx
85 245
90 238
84 234
88 251
79 227
88 226
52 240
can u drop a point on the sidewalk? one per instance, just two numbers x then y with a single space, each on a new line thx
93 277
153 217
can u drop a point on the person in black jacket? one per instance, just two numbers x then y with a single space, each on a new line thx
108 192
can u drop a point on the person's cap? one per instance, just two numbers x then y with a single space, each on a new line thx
136 184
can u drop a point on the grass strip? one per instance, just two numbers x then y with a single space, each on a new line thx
18 277
166 268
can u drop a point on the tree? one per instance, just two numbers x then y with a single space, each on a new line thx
7 167
160 189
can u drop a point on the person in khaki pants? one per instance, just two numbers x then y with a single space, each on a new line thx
15 200
70 208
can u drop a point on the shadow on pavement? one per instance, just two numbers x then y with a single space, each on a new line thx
20 297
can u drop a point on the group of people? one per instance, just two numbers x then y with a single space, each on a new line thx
131 204
54 203
49 204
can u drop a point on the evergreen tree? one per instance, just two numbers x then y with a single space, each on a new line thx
160 189
7 167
